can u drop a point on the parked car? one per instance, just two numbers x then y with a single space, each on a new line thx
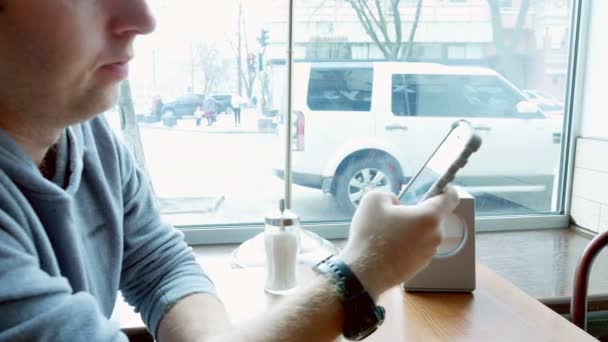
545 102
360 126
224 103
184 105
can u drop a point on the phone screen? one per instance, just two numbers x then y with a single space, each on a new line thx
438 165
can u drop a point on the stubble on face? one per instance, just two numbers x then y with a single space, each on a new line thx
94 100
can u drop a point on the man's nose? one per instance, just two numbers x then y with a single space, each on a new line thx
132 17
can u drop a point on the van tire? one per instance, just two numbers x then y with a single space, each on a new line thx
355 173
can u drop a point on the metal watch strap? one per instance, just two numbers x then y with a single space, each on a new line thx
361 315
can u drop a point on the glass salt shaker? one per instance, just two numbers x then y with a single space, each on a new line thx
282 247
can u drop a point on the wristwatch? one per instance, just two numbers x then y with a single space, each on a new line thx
361 315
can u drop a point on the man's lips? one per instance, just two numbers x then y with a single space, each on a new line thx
119 69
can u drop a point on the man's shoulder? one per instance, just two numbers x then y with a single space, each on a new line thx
14 205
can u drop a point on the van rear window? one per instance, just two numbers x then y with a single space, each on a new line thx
340 89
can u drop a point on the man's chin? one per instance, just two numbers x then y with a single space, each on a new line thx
95 104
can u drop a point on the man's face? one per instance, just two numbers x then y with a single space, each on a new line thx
61 61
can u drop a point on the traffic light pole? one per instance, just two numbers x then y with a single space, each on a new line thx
239 63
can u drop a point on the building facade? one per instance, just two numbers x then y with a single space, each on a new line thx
460 32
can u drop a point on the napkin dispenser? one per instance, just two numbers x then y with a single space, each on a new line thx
453 268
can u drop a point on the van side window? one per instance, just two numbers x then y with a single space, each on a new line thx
453 95
340 89
422 95
487 96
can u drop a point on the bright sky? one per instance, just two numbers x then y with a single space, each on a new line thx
184 23
206 20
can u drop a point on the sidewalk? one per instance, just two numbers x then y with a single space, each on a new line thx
223 125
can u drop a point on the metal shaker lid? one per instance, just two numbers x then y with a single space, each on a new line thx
283 217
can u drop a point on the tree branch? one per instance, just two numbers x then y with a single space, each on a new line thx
398 27
410 40
497 30
365 22
519 25
382 28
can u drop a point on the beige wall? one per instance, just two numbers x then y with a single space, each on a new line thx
590 189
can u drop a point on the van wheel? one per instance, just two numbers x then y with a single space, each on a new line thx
361 176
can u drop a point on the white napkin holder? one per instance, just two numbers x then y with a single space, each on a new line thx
453 268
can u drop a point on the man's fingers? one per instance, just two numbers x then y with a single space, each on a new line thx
383 197
443 203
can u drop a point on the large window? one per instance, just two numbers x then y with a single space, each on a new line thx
373 91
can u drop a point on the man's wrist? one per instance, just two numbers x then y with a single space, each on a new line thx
361 314
368 279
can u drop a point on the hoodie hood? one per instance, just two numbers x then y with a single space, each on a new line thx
17 165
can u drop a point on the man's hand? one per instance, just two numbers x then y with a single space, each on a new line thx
389 243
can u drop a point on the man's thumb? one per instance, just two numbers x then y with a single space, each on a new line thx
443 203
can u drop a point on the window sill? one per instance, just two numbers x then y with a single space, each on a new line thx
540 262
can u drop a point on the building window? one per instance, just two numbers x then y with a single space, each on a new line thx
328 51
506 3
456 51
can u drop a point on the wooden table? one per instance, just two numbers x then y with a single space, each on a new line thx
495 311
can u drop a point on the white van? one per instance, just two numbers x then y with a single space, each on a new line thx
365 125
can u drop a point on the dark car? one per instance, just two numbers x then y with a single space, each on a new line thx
184 105
224 103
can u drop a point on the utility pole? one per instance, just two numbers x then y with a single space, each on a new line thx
239 65
192 67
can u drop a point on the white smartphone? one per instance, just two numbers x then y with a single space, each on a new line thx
440 169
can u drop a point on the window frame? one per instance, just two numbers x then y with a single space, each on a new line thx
198 234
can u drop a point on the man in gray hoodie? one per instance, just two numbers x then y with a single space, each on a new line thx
77 221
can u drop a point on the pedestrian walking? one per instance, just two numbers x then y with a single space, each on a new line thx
209 108
198 116
237 103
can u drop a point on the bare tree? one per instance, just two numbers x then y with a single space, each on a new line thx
213 67
506 50
386 33
247 76
239 55
382 21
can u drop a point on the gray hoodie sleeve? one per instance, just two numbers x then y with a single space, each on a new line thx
158 267
35 306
